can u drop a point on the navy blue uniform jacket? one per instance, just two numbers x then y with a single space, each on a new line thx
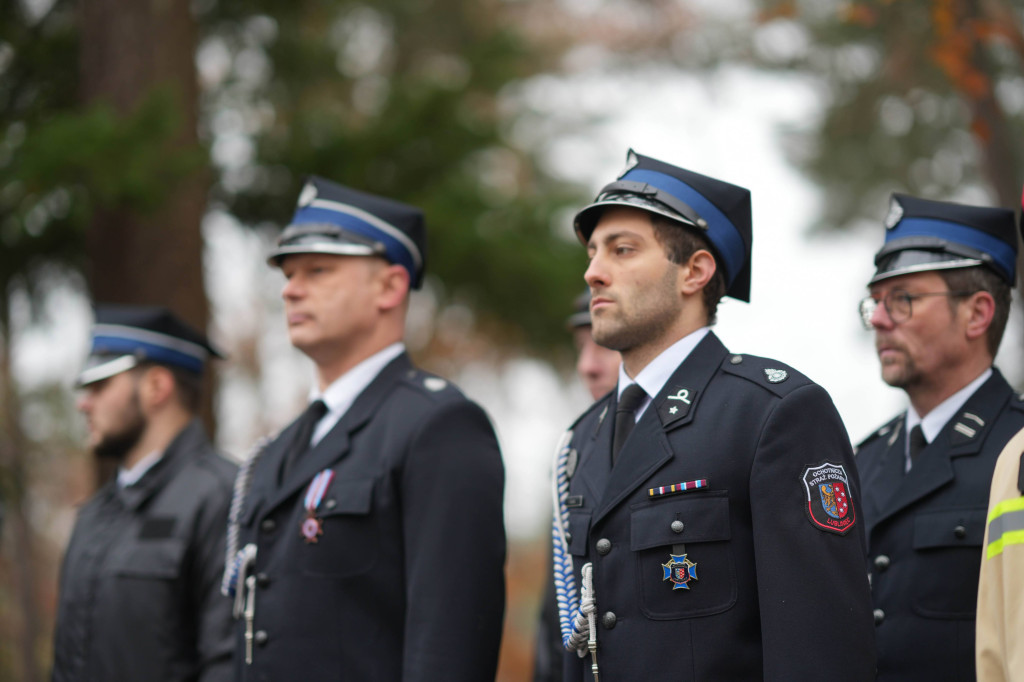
776 596
925 531
407 580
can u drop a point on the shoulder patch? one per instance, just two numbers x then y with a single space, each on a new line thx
771 375
829 506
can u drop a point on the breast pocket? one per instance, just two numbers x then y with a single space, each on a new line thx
947 556
149 559
684 566
347 543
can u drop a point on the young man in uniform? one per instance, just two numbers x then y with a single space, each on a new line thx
369 534
938 304
707 509
139 590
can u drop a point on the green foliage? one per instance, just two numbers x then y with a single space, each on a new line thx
404 98
921 97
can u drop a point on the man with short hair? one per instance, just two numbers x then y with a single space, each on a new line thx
706 524
368 536
938 304
139 591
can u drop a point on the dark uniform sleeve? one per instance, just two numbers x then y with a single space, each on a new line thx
812 584
215 640
452 488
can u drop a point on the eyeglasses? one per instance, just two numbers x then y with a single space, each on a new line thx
899 305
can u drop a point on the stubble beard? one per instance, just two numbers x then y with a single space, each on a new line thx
646 319
117 444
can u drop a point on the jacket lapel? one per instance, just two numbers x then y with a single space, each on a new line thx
596 456
647 449
963 435
337 443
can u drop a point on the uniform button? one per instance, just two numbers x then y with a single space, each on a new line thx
879 615
882 562
604 545
262 579
677 526
261 637
331 503
608 620
268 525
960 532
568 537
736 359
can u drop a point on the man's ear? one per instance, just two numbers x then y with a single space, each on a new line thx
156 386
393 288
697 271
980 309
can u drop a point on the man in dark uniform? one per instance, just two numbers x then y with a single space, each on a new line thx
370 537
139 590
938 304
707 509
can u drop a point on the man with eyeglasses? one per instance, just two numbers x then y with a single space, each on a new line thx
938 304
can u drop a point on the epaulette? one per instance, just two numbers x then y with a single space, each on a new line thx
772 375
882 431
429 384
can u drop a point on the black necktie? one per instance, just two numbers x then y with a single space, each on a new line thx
625 416
917 443
300 443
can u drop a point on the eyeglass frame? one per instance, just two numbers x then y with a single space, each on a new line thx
865 316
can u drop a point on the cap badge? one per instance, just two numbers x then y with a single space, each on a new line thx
308 195
632 161
680 571
895 214
775 376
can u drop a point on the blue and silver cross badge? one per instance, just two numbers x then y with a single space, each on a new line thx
680 571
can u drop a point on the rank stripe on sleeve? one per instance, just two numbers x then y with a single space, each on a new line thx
1005 526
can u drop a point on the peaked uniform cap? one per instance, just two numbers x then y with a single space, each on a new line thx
126 335
580 311
335 219
718 210
923 235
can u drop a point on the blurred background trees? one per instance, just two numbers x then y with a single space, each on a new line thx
125 126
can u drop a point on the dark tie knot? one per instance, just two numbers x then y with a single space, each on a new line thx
917 441
631 399
315 411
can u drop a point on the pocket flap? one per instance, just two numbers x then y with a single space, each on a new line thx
700 519
347 497
579 528
150 559
950 528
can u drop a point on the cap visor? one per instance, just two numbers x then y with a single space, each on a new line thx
586 220
909 261
99 368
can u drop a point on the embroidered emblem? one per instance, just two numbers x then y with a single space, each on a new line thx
434 384
776 376
680 571
895 214
673 409
683 395
676 488
828 498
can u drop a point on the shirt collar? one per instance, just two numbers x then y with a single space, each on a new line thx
933 422
656 374
127 477
344 390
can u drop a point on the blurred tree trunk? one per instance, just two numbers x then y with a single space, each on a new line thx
127 50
